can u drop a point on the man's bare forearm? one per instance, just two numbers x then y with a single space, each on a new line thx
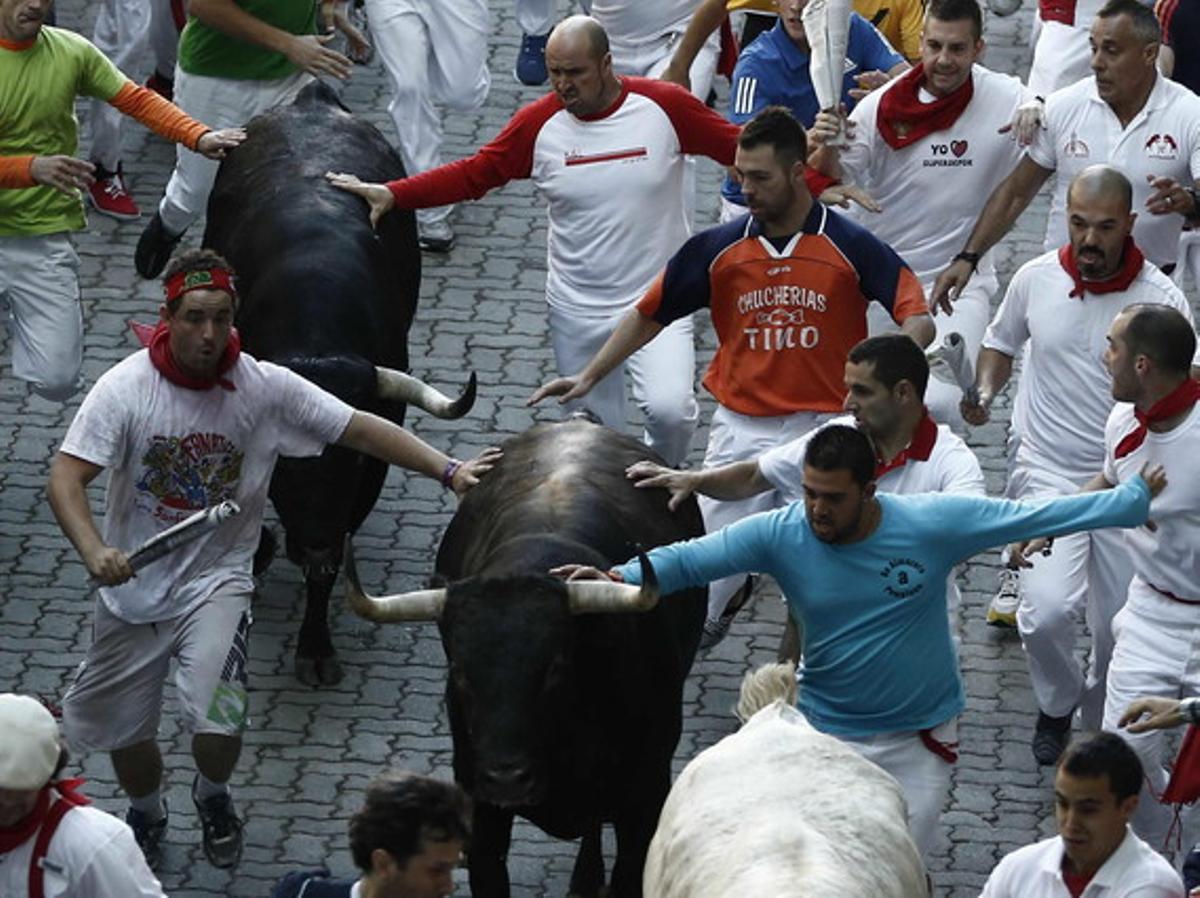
1006 204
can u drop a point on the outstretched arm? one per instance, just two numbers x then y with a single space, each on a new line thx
389 442
634 332
738 480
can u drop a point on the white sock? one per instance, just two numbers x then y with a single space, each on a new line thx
204 788
151 805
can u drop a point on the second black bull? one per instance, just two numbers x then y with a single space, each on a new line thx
565 708
324 295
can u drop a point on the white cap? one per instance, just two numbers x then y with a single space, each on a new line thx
30 747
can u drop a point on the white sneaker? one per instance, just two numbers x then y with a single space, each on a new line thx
1002 611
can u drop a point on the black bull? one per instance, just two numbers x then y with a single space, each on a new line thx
569 720
324 295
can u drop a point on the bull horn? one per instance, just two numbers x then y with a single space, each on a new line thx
400 387
410 607
598 596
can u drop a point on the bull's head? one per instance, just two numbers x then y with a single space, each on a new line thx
513 693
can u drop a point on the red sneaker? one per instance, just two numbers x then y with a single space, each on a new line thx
109 196
161 85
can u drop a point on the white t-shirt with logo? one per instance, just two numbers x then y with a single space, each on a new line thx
1168 557
1163 140
174 451
1063 395
930 191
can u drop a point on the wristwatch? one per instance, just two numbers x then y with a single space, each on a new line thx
965 256
1189 710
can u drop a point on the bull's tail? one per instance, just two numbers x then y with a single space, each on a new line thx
761 687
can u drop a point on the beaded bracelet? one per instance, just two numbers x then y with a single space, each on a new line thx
451 469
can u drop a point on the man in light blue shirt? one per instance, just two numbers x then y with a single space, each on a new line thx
865 575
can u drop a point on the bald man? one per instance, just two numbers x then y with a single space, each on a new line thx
1061 305
607 152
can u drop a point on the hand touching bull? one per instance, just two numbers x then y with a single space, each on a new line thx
379 199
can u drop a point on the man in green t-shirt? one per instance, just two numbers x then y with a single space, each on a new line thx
42 70
237 58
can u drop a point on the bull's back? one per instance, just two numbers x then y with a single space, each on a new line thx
778 809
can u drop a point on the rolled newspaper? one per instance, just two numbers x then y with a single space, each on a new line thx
955 365
190 528
827 26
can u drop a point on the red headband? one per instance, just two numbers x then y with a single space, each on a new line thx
182 282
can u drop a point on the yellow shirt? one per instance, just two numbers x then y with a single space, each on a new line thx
766 6
898 20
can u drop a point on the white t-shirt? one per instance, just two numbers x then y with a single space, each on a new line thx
930 191
1168 558
639 21
92 855
174 451
1163 140
1035 871
1063 395
951 467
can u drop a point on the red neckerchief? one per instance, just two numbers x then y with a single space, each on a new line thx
12 836
156 339
900 107
919 449
1131 265
1075 882
1178 401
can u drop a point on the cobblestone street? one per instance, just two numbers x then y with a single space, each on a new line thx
309 754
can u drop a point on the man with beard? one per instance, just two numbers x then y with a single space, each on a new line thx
1061 305
865 572
788 287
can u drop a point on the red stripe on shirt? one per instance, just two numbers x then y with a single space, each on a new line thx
613 156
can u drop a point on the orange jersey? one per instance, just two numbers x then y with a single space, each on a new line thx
786 311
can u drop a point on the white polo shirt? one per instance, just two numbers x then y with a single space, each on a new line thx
1063 394
1168 558
951 467
1035 871
930 190
1163 140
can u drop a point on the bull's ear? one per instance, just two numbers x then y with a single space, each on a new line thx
437 581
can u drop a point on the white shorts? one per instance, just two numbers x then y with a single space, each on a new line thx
923 775
39 276
116 699
733 437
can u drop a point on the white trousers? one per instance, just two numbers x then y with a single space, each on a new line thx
731 438
1061 57
1157 654
972 312
39 276
536 16
661 375
120 34
924 777
434 51
1086 576
218 103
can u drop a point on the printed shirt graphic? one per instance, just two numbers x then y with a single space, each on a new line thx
786 319
173 451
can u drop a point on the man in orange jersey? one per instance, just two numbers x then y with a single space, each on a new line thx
787 287
42 69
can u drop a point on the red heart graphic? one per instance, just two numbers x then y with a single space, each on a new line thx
958 147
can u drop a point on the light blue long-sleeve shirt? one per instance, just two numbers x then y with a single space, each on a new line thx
878 655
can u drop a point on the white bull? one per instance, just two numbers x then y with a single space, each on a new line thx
778 809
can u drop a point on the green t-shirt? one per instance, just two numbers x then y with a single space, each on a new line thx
37 117
203 50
